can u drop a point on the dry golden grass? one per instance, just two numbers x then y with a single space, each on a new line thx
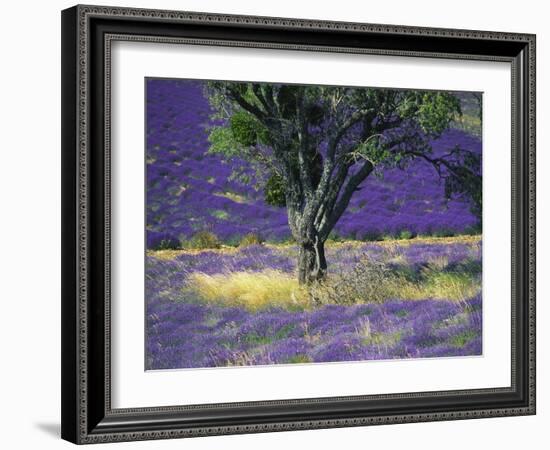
252 290
170 254
440 286
232 196
273 288
467 239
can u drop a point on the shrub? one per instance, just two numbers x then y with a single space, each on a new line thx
274 191
473 230
373 281
444 232
251 239
370 281
168 244
204 240
161 241
406 234
372 235
233 240
335 236
220 214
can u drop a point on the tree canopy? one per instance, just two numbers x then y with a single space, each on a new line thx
313 146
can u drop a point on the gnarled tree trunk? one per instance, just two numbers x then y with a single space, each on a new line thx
312 264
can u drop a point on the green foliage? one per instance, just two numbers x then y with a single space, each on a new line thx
433 111
220 214
243 131
203 240
274 191
244 128
168 244
461 339
443 232
250 239
372 235
406 234
223 142
315 114
464 179
335 237
278 130
436 110
373 151
286 98
299 359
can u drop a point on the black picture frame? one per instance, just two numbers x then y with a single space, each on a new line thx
87 416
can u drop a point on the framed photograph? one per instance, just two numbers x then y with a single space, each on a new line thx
281 224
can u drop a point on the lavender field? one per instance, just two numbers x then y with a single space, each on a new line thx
404 259
189 190
185 330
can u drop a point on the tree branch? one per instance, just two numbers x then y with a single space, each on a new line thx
343 202
351 121
257 89
330 197
247 106
303 163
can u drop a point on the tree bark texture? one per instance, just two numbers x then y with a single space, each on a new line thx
312 264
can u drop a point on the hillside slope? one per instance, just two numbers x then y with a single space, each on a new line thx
189 191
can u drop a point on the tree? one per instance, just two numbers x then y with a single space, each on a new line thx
315 145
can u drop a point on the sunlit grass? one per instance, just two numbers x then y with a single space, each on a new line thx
252 290
460 340
440 286
273 288
388 273
220 214
237 198
395 244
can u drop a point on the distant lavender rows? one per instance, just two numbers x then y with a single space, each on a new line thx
185 332
188 191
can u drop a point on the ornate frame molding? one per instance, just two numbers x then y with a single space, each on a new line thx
80 423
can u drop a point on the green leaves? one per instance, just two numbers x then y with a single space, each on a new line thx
242 132
433 111
247 130
274 191
297 133
436 111
244 127
223 142
372 150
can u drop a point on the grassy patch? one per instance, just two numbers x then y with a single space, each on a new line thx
203 240
232 196
460 340
256 339
250 239
220 214
251 290
402 313
273 288
383 272
300 359
382 339
445 285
